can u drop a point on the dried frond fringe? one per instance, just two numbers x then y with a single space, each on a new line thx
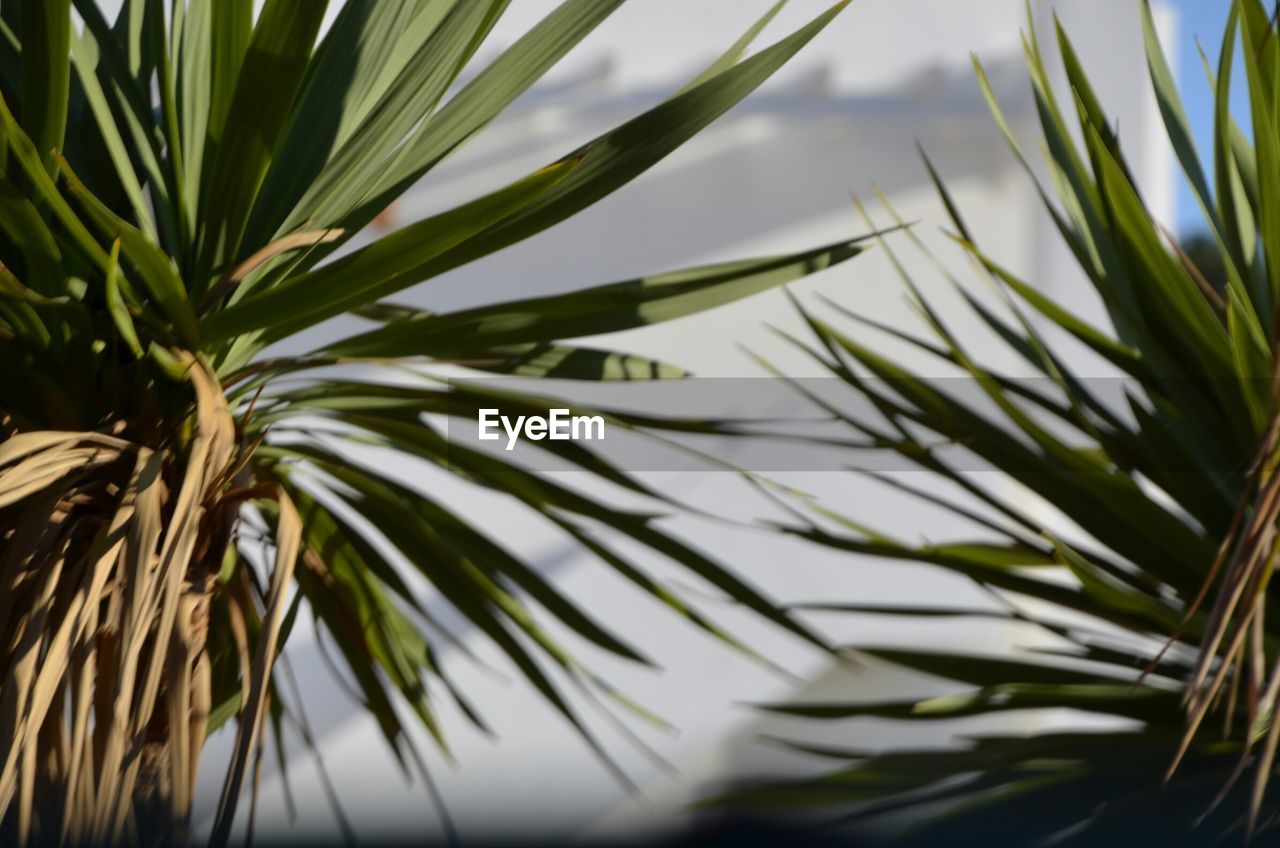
1233 648
110 556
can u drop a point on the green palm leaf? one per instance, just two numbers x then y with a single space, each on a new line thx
167 506
1157 583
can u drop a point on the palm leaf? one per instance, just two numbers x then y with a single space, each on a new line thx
1164 542
168 509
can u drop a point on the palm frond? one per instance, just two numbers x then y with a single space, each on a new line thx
1150 550
174 188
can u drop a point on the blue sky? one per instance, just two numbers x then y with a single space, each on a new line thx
1204 19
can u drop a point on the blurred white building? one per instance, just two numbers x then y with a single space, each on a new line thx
776 174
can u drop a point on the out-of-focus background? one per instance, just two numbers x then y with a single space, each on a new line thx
776 174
